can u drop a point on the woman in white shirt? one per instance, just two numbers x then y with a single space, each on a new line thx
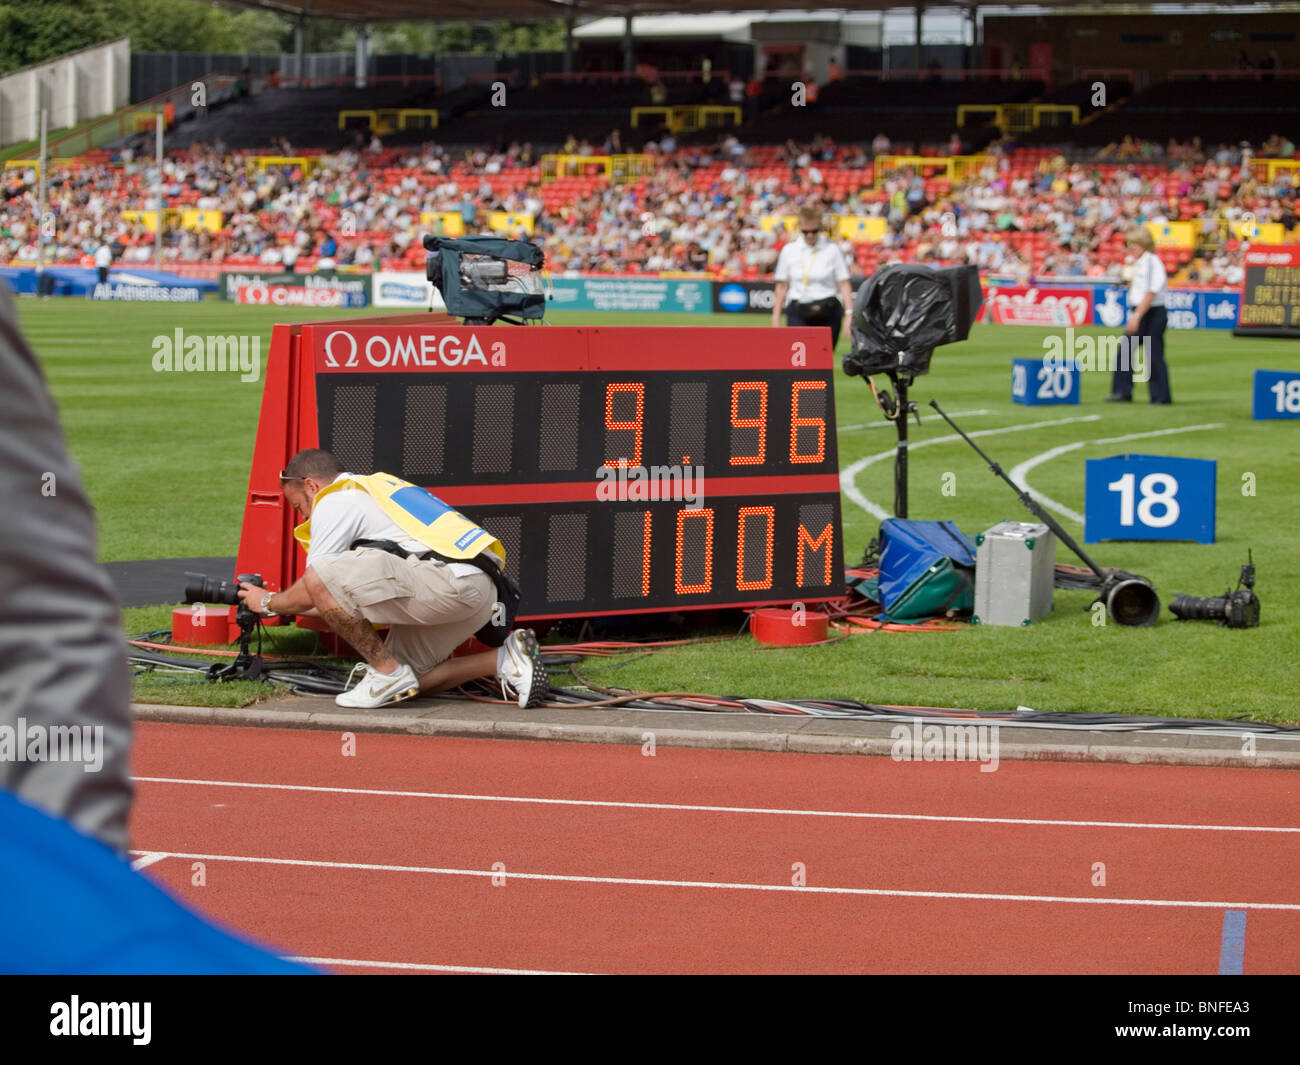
809 272
1146 323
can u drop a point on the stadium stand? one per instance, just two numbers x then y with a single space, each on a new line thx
1219 111
309 117
1050 202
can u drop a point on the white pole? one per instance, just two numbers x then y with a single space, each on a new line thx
157 234
40 201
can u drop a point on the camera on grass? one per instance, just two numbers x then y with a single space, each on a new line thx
1237 609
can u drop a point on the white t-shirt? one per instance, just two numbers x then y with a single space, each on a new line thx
103 255
812 272
352 514
1148 276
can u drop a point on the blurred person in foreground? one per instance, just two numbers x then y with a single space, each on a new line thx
812 279
70 902
62 658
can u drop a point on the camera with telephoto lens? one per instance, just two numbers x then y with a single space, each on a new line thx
1234 609
200 588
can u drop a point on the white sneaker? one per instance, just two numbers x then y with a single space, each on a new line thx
520 670
380 689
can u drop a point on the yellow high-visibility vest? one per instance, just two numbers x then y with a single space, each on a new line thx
420 514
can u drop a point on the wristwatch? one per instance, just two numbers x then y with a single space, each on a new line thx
265 608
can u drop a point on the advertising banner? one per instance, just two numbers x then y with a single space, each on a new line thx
404 288
259 293
1015 305
193 218
630 294
141 285
1270 292
443 223
1172 234
861 228
744 297
1217 310
1106 306
1186 308
355 287
121 290
508 222
1180 306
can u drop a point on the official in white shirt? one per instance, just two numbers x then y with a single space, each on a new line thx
809 274
103 260
1147 320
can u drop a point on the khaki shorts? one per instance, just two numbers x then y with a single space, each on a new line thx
430 611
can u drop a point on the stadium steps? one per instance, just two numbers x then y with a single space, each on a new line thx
915 113
307 117
855 126
546 114
1219 112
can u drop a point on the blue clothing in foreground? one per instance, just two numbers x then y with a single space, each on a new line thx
69 904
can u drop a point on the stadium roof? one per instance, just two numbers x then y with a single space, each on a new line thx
417 10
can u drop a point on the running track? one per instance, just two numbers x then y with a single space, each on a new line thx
383 861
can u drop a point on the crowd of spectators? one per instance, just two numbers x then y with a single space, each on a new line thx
1194 152
701 208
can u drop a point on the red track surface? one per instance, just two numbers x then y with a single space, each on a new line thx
731 905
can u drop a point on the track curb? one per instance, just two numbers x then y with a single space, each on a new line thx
717 739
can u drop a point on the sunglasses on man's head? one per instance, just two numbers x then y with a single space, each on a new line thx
284 476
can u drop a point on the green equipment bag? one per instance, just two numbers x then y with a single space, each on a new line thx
945 587
927 570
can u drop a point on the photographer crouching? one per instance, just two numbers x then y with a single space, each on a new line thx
381 551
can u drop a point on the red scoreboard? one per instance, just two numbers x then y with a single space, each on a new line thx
624 469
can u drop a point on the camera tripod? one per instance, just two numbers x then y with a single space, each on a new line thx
246 665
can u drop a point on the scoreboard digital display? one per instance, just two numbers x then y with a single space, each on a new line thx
1270 293
624 469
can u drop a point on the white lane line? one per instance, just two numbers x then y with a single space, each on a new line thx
721 809
1018 473
849 475
976 896
147 859
886 423
412 967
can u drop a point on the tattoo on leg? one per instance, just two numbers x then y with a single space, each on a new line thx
352 627
357 631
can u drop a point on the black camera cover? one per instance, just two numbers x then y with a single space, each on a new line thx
443 267
905 311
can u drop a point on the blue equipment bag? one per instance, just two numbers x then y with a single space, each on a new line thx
927 569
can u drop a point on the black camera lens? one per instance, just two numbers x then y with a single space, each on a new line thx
200 588
1236 610
1197 608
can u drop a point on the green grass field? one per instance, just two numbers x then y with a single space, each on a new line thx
165 457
